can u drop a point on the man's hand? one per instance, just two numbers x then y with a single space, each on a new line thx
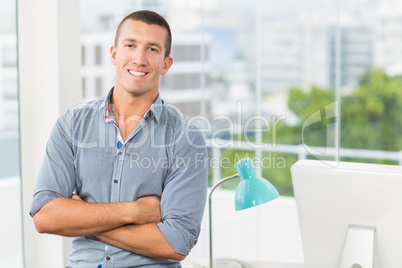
148 210
76 197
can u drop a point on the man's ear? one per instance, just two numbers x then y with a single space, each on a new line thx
113 50
167 63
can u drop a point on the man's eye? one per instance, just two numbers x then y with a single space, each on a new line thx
129 45
152 49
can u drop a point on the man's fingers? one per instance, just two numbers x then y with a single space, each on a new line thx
76 197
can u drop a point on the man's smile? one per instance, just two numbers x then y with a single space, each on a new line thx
137 73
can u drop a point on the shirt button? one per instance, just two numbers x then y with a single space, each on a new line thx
120 153
107 258
116 181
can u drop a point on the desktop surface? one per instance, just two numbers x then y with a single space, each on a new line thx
234 263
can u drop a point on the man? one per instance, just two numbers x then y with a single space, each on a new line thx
125 175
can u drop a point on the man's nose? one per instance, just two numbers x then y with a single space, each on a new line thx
139 57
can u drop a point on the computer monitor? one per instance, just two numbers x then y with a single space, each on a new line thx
350 214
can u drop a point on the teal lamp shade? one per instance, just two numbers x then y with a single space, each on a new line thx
252 191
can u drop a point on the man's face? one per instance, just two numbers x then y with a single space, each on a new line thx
139 58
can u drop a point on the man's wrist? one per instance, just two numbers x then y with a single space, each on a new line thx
132 212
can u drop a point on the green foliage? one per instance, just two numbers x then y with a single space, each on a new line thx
276 169
371 115
304 104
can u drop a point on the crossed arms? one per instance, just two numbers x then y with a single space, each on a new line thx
127 225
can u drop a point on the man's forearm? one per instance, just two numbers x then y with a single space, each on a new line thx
68 217
145 239
74 217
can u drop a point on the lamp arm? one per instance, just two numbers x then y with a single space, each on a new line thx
210 214
222 181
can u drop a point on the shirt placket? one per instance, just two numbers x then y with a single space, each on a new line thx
121 149
117 167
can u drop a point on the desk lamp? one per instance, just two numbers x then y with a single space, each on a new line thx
251 191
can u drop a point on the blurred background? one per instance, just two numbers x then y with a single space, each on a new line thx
276 81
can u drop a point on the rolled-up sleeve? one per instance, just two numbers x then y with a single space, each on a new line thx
185 190
56 177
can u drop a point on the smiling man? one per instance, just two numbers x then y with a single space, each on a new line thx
125 174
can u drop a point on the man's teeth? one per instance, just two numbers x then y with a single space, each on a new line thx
137 73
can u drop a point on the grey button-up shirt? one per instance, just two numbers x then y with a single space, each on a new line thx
163 156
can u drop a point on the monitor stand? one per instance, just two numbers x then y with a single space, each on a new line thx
359 246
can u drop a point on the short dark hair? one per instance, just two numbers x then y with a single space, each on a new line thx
148 17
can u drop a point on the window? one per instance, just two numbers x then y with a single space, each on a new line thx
98 55
98 86
84 87
275 60
179 81
187 52
10 195
9 52
83 55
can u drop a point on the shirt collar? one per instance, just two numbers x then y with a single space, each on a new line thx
155 109
108 118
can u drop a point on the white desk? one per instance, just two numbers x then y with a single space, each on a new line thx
204 263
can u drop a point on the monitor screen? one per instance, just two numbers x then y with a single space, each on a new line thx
350 214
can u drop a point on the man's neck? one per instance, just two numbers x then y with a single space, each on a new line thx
129 110
127 105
